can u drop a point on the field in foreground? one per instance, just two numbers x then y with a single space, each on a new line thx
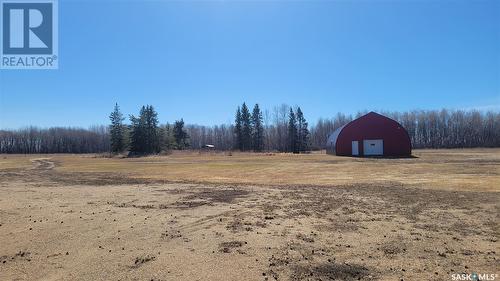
197 216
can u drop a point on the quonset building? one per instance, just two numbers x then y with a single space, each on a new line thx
370 135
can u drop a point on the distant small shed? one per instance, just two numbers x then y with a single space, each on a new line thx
370 135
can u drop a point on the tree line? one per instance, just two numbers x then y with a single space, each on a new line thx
429 128
249 131
55 140
145 135
281 129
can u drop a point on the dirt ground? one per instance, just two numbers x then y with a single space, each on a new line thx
249 217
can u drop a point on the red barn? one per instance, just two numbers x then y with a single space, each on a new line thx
370 135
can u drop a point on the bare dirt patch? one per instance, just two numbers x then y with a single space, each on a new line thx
218 195
60 224
227 247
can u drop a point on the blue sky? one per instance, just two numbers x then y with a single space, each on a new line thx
199 60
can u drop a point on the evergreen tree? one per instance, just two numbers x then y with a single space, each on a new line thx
257 129
117 130
136 134
302 132
144 132
167 138
246 128
152 130
180 135
237 130
292 132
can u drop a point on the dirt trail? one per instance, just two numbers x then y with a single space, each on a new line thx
42 164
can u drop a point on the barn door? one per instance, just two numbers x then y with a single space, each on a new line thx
373 147
355 148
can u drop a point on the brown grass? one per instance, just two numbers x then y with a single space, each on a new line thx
467 169
249 217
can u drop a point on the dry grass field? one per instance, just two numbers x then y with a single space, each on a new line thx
192 216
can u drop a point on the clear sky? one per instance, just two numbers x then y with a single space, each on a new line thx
199 60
